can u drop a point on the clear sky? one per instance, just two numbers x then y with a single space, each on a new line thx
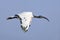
40 28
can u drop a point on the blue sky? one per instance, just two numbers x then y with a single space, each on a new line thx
40 28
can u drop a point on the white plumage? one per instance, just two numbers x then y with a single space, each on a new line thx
25 19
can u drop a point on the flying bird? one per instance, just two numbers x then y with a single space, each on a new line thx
25 19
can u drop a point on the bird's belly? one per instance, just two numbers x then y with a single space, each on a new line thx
25 22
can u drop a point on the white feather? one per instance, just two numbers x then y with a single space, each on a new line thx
26 19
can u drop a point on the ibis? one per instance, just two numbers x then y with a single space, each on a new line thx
25 19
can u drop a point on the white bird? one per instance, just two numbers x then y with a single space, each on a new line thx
25 19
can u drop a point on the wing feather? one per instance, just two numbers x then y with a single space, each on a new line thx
41 17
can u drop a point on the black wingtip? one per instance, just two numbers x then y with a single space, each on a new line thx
9 18
41 17
46 19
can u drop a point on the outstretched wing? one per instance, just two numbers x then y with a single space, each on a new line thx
41 17
12 17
